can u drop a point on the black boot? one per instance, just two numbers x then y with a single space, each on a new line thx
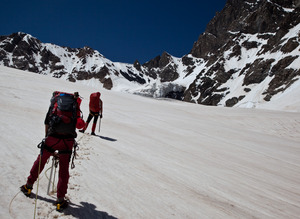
26 190
62 204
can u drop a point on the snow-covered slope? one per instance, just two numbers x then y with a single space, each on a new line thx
154 158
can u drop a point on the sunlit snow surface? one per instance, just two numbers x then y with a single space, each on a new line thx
155 158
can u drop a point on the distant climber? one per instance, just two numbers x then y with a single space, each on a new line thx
96 109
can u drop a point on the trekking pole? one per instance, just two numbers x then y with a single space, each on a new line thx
49 183
39 170
37 187
55 165
99 123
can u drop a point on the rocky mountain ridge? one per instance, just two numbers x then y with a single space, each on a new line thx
267 30
248 53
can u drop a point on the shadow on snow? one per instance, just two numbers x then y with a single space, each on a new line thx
83 211
106 138
86 210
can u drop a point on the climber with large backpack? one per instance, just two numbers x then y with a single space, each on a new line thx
96 110
62 119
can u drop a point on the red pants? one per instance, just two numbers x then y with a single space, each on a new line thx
92 115
64 159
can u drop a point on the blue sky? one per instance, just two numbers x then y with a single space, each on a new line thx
122 31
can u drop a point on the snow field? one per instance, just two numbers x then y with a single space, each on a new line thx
155 158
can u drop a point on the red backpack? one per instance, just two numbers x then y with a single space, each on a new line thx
95 102
63 113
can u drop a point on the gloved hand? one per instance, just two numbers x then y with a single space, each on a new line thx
100 116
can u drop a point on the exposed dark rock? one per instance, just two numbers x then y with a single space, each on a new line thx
130 76
107 83
169 73
258 71
250 45
71 78
188 61
234 100
282 80
84 52
104 71
153 63
212 100
282 64
268 97
290 45
231 102
236 51
207 43
222 76
164 60
48 57
247 89
177 95
59 74
137 65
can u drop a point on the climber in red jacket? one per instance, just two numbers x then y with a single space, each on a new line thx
96 109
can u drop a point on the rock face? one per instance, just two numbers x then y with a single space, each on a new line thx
249 52
22 51
257 40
